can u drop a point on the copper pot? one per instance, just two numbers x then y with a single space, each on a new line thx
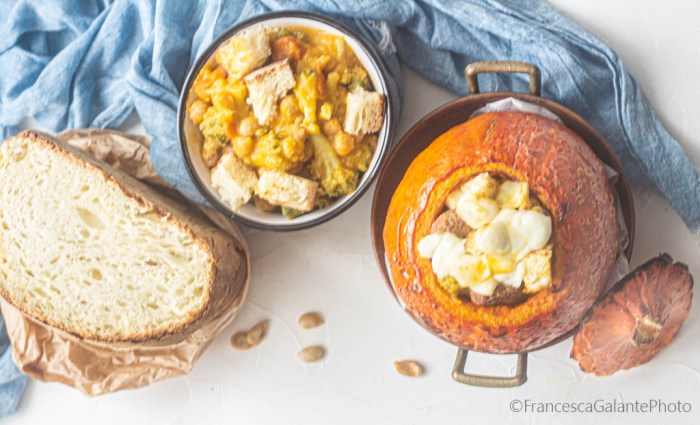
456 112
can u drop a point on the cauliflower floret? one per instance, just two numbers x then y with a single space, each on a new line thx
268 154
335 179
307 94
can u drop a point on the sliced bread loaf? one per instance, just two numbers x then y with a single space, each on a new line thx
89 250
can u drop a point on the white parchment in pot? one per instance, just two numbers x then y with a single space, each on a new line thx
95 368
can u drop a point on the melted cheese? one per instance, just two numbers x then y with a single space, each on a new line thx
477 212
486 288
449 258
507 244
492 239
428 245
471 270
513 278
447 255
528 230
500 264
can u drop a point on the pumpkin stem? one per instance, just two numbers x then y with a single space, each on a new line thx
647 329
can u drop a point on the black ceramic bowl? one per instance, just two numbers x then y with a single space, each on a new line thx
190 137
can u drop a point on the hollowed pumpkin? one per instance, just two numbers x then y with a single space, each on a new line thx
568 179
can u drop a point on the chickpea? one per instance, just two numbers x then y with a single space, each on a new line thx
211 152
221 99
343 143
197 111
331 127
247 126
312 128
243 146
299 133
289 105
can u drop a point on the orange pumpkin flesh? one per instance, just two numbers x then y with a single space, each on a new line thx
566 177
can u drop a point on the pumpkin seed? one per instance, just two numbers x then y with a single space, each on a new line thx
239 341
408 368
311 354
257 333
310 320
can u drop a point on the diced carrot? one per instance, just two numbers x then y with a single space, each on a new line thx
287 47
321 85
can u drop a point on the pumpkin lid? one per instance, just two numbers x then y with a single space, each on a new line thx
638 318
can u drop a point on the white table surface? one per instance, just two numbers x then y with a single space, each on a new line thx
331 269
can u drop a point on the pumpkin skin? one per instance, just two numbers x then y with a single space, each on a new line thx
570 182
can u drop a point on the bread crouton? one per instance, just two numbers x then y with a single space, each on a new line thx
364 112
266 87
538 270
234 181
514 194
287 190
244 52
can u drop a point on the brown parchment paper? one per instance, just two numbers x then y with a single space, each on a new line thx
95 368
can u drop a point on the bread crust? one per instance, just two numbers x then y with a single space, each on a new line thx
568 179
225 276
359 101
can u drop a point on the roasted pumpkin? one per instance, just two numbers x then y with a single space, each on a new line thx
565 176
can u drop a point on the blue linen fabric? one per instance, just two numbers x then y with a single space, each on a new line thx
12 381
91 63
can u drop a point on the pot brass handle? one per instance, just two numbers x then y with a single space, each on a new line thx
518 379
472 71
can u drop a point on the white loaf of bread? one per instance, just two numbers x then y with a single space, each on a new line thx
89 250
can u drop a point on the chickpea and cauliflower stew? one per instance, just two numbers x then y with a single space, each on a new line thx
492 243
288 118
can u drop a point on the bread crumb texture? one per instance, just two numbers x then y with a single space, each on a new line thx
79 253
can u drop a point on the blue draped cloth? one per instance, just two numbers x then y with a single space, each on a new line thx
92 63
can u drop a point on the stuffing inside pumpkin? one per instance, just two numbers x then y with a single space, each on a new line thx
491 244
